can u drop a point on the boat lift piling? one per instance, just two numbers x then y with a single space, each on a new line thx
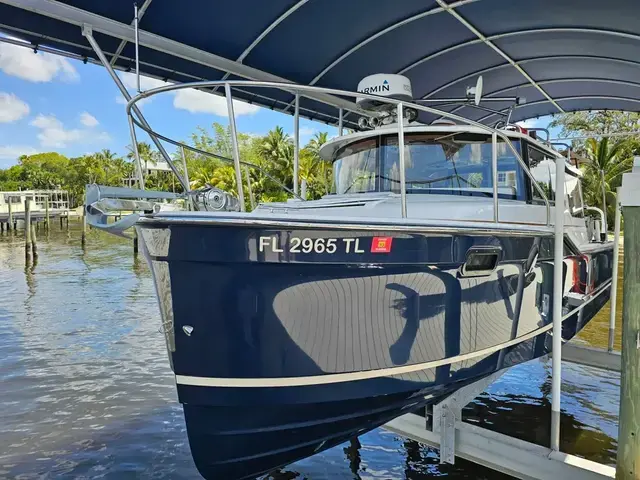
628 461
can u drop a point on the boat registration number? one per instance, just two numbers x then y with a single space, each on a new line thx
324 245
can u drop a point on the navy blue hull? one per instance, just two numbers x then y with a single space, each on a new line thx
280 354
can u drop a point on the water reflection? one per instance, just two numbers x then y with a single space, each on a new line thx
87 391
352 452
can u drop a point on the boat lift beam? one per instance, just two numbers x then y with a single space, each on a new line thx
504 453
448 413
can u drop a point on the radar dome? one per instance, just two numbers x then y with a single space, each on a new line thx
389 85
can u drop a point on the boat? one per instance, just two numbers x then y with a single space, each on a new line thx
302 324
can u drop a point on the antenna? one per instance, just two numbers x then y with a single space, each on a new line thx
475 93
478 91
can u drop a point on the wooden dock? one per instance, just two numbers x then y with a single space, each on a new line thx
45 206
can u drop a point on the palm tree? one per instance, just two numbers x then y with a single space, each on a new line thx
314 145
318 140
604 160
106 155
146 152
277 150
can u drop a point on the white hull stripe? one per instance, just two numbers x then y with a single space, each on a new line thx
368 374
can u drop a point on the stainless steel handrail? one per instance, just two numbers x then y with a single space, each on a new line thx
300 89
216 156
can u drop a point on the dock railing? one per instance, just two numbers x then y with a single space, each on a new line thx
54 200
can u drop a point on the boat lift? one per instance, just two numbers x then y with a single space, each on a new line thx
453 437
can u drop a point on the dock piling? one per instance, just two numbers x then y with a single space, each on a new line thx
84 228
628 461
10 221
46 212
27 227
34 243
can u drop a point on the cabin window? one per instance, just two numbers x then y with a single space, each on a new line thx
449 163
542 169
355 168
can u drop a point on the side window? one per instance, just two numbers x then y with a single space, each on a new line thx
574 195
541 169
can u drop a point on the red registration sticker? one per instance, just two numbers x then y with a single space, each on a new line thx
381 244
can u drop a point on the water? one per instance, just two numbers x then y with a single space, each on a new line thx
86 390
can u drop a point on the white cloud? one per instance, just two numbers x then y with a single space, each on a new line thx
120 99
54 134
307 131
196 101
12 108
146 83
532 123
88 120
12 152
40 67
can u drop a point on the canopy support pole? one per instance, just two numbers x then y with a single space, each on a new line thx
604 206
88 34
236 149
340 121
614 277
558 266
136 20
403 185
494 170
296 145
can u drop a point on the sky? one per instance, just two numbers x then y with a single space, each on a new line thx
51 103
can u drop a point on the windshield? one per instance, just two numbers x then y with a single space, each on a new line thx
443 163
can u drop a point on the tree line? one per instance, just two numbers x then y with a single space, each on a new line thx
273 153
600 155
